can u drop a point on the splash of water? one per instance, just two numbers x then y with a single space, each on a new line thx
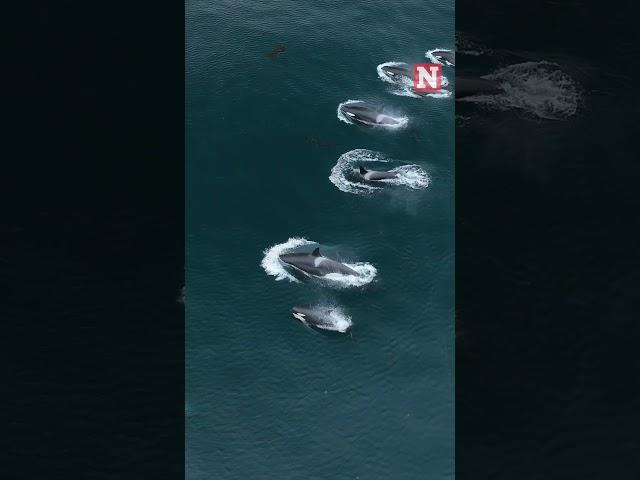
365 272
271 261
540 89
343 177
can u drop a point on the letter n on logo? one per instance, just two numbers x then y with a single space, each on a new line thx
427 77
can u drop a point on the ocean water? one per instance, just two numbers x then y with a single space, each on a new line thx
267 168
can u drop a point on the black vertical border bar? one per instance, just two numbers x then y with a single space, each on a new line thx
92 257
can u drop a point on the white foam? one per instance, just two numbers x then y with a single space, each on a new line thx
540 89
271 261
340 321
403 121
272 266
342 173
341 115
365 275
411 176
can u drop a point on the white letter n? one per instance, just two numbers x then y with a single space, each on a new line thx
430 77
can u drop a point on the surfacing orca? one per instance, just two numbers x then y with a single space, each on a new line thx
373 175
398 72
315 264
445 57
321 318
467 86
402 74
369 115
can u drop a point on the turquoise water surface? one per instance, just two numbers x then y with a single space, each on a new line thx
267 398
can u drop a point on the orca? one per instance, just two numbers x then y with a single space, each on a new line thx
443 57
402 74
467 86
369 115
398 72
322 318
314 264
374 175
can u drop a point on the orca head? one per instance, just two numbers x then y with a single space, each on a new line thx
387 70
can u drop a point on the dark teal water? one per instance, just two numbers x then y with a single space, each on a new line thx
267 398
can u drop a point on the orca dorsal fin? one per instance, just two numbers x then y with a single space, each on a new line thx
316 252
363 170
